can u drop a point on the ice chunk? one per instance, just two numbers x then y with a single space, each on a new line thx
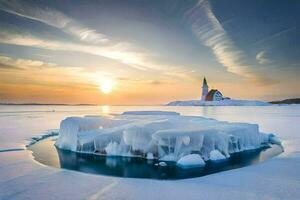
191 161
163 164
159 135
274 140
72 126
216 155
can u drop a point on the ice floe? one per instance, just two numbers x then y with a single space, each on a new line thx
166 136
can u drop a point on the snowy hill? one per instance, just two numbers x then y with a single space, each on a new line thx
225 102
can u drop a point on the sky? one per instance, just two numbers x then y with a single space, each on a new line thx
143 52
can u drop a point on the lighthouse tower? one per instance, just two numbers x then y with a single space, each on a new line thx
204 89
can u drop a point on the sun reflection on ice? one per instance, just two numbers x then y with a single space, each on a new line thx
105 109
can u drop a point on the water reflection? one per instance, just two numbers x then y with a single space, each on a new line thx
46 153
105 109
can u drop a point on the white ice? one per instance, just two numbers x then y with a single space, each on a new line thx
165 136
23 178
225 102
216 155
191 161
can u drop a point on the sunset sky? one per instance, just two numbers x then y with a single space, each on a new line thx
143 52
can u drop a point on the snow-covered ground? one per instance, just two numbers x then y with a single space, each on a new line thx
23 178
225 102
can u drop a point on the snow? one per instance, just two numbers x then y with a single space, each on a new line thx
23 178
191 161
150 113
274 140
166 137
216 155
225 102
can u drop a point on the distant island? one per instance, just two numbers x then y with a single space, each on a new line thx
225 102
214 97
287 101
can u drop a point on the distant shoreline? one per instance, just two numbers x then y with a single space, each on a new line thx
285 101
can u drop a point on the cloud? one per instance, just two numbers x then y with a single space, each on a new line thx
121 52
35 72
53 18
125 53
11 63
156 82
96 44
274 36
211 33
262 58
4 66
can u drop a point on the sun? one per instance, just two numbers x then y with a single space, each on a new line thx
106 86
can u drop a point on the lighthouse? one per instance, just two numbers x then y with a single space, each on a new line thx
204 89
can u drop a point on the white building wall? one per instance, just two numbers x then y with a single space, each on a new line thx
204 92
217 96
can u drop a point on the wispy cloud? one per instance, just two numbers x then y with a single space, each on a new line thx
121 51
125 53
10 63
35 71
96 43
53 18
274 36
262 58
211 33
4 66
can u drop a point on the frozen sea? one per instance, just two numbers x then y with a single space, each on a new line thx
23 178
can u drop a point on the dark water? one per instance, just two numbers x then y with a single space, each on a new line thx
46 153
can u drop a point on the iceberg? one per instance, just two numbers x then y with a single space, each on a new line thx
165 136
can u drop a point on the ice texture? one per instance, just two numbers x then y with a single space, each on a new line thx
191 161
166 136
150 113
216 155
22 178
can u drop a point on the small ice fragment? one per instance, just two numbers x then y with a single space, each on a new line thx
163 164
216 155
190 161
